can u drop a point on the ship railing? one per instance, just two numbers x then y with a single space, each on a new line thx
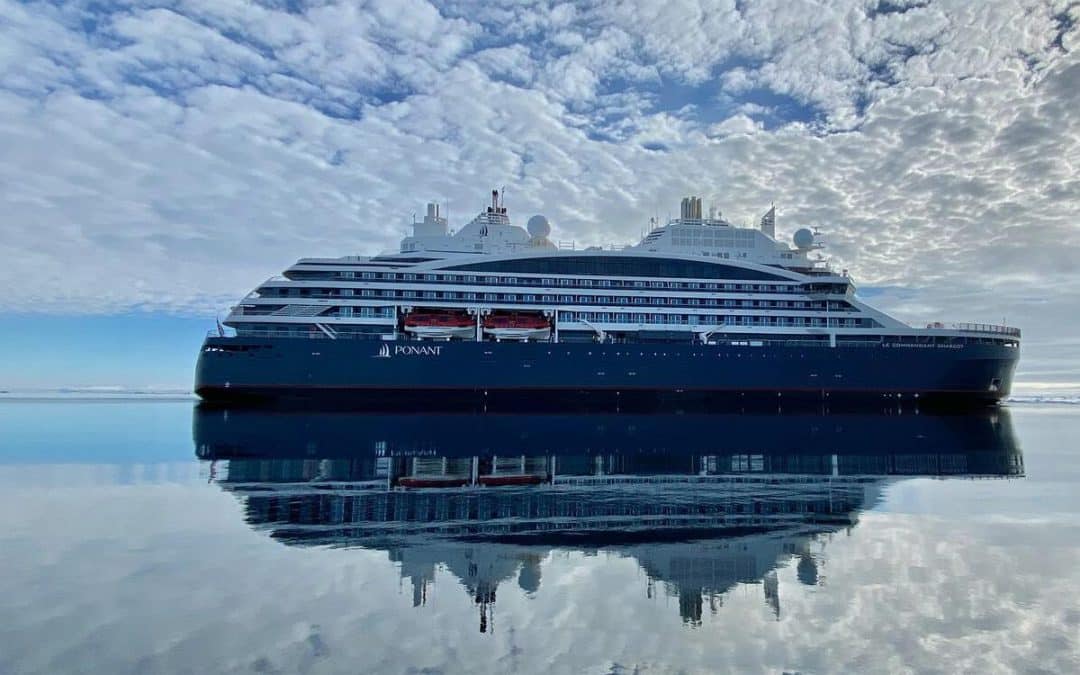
994 329
314 333
307 334
798 343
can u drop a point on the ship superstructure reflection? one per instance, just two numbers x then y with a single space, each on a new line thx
702 503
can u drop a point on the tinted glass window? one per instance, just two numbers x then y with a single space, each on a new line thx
623 266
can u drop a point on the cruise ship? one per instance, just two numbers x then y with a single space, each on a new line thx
699 306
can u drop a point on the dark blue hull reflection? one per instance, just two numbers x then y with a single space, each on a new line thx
291 432
295 368
701 502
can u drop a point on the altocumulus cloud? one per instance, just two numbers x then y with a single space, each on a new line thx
169 155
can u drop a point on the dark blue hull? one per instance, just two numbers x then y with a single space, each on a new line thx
295 368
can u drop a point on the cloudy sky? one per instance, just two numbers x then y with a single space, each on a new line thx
159 159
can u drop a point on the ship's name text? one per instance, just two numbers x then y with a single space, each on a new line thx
417 350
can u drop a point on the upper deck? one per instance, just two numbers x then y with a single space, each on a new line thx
691 235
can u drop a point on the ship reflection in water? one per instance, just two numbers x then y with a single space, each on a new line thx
702 503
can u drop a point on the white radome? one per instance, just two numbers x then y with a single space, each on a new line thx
538 227
803 238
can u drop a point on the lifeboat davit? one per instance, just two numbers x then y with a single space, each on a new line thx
510 479
440 325
517 326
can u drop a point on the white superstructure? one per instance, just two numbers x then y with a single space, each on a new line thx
693 279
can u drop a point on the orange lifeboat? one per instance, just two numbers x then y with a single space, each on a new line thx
439 324
517 326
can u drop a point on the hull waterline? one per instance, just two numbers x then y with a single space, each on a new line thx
269 368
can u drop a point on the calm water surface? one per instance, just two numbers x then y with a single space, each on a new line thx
146 537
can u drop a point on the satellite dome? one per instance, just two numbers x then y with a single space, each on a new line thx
804 238
538 227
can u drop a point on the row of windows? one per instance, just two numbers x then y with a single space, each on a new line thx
619 266
308 310
626 317
309 330
429 277
710 243
529 298
364 312
723 255
712 320
724 234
